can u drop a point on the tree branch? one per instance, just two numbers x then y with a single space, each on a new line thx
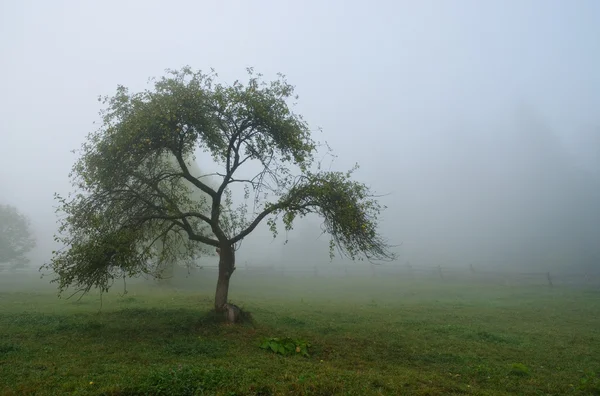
188 176
193 236
180 216
271 209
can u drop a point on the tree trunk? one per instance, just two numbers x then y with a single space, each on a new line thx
226 268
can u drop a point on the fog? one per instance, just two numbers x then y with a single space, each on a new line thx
477 121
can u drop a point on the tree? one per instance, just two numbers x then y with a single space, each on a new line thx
15 237
131 194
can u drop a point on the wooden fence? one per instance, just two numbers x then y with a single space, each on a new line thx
471 272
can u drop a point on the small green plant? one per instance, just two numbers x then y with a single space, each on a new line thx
286 346
590 383
519 369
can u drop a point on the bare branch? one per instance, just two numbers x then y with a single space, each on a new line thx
188 176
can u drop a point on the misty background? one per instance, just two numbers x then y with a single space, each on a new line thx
478 121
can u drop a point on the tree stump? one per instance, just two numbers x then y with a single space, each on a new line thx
232 313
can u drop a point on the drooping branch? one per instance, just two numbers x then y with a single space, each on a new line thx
350 214
271 209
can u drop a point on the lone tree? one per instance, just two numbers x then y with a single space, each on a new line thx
16 239
134 183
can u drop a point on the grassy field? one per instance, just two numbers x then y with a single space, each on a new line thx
379 335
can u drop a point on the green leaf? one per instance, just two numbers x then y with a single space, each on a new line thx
274 346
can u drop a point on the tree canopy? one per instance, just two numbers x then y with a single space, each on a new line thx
16 239
133 181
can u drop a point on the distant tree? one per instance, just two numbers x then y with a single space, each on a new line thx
131 195
16 239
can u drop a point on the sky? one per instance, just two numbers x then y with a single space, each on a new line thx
478 119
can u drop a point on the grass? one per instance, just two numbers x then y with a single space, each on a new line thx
368 336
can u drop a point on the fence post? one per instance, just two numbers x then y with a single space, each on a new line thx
549 279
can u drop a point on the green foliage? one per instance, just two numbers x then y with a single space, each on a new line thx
16 239
519 369
589 383
286 346
350 214
133 212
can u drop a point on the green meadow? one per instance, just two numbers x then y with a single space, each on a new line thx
366 336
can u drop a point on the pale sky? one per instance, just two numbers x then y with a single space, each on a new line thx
420 93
